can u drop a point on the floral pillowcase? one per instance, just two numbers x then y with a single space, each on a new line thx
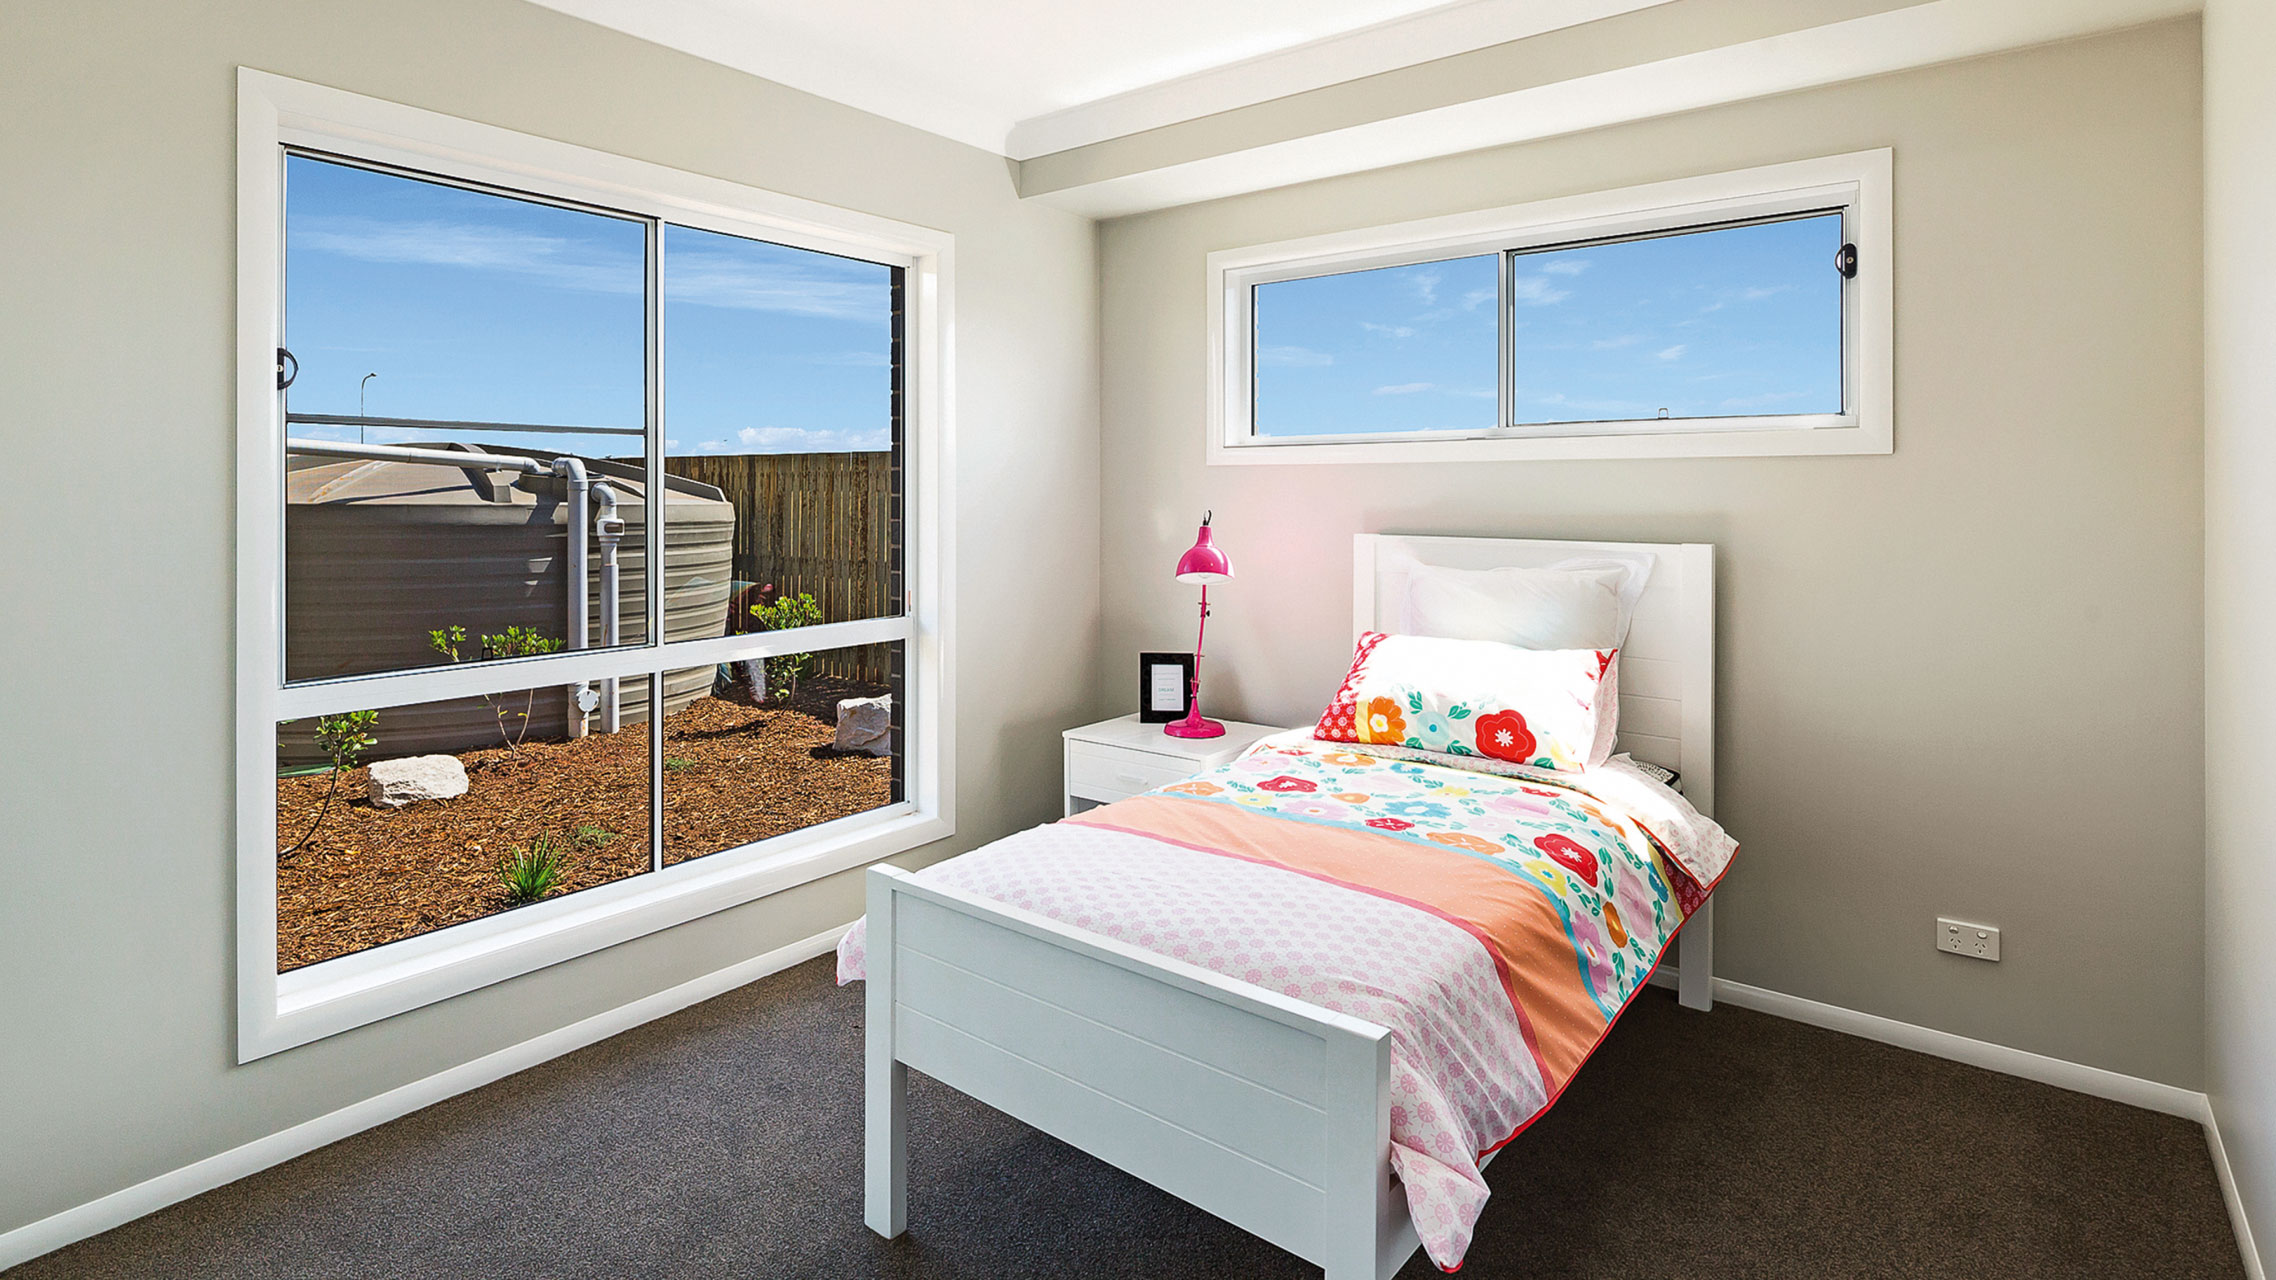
1550 708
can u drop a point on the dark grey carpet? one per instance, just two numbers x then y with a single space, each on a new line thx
726 1141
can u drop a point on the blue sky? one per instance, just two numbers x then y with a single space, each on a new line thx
482 307
1742 320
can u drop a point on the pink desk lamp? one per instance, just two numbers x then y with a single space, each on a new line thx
1203 564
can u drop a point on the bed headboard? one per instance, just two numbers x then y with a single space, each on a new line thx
1667 668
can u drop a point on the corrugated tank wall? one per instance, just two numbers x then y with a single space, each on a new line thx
380 554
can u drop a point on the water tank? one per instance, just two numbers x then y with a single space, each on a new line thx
380 553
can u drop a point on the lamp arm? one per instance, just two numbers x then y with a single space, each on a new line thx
1193 695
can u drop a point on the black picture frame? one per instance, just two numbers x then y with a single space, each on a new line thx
1151 710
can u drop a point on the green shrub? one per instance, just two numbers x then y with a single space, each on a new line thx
516 642
343 739
785 670
530 872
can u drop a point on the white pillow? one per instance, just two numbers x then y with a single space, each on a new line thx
1577 604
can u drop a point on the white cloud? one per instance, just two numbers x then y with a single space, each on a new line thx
1388 330
820 288
1565 266
1476 298
739 283
1425 285
1671 353
558 261
1537 291
1404 388
1301 357
1759 293
810 440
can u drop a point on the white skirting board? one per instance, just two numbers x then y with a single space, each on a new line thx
97 1216
2253 1266
2076 1077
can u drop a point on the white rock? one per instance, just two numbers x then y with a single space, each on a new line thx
395 783
865 724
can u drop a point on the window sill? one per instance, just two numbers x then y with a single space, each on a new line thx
336 995
1744 442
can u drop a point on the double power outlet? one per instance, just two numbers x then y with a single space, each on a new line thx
1977 941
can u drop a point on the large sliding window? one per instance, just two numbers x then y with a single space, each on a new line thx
1740 313
586 513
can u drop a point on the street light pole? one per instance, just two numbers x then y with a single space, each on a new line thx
360 405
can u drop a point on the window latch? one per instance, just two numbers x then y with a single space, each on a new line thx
285 379
1845 261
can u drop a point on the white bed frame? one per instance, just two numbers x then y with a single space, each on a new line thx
1269 1112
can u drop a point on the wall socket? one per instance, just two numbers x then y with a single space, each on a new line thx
1979 941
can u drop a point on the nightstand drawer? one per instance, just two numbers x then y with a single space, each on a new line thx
1102 773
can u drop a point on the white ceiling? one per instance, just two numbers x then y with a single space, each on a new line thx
1026 77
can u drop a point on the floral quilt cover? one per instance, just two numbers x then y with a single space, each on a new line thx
1495 925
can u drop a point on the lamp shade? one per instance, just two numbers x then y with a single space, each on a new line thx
1204 563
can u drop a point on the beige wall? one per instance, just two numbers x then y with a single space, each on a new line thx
116 332
2240 612
1963 679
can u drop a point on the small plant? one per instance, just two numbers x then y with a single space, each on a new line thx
343 739
784 670
673 764
531 871
515 642
591 835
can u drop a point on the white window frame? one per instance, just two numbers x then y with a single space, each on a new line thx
1857 183
277 1012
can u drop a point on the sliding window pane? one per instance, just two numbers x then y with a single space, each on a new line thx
1386 350
782 745
409 298
397 822
1730 322
783 404
415 542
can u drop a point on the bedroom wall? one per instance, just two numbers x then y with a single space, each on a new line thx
116 926
2240 613
1963 679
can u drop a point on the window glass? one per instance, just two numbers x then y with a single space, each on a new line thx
414 300
1731 322
1408 348
400 821
468 305
763 755
782 400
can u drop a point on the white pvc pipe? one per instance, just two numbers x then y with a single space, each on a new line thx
608 527
572 470
406 453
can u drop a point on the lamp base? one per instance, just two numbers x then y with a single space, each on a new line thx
1194 726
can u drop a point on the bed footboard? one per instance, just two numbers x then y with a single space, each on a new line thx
1271 1113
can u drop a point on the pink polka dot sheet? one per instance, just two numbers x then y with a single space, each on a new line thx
1495 926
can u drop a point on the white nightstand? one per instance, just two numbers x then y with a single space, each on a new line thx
1118 758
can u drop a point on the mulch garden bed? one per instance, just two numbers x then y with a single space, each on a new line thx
733 773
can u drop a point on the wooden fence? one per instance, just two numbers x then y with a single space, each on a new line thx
819 523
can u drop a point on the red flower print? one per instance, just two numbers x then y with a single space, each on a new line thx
1503 736
1569 854
1390 824
1286 783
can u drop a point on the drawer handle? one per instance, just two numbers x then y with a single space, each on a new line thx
1131 780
